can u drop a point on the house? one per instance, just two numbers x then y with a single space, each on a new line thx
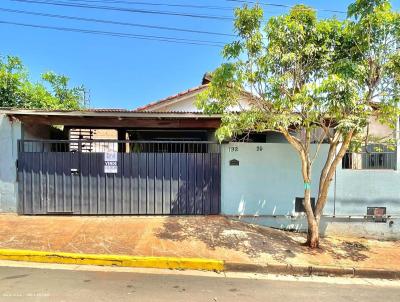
163 159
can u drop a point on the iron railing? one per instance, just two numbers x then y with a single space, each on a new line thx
370 160
124 146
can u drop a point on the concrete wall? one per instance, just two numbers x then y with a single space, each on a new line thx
10 132
357 189
333 226
30 131
378 129
268 179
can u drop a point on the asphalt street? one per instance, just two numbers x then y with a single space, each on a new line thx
49 284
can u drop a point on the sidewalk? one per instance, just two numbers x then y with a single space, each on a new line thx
191 237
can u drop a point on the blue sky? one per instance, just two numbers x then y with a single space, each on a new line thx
122 72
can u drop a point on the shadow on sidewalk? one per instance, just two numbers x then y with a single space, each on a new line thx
219 232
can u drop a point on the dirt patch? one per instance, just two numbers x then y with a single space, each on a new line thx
229 234
254 240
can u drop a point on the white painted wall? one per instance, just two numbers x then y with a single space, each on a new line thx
188 104
266 182
10 132
330 226
184 104
357 189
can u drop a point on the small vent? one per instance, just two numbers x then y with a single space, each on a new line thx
377 214
299 206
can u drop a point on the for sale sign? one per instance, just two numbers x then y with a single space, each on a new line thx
111 162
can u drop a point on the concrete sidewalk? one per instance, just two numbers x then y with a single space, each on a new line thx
191 237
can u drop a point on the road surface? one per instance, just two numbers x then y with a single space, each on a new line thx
55 284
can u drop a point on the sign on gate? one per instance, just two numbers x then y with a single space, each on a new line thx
111 162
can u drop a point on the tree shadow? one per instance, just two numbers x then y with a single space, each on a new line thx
350 250
219 232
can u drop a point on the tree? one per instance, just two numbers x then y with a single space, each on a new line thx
16 90
313 80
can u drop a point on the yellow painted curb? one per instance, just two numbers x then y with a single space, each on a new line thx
113 260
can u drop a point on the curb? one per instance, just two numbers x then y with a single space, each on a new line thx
112 260
287 269
192 264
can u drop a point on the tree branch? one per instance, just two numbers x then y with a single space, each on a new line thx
323 194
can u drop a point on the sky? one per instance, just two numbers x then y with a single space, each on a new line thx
122 71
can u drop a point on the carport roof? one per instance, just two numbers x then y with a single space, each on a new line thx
114 118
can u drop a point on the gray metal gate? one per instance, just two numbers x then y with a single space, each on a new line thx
152 178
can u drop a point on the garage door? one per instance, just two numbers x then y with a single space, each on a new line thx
94 178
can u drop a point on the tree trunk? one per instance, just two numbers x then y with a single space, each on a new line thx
314 217
312 221
325 181
313 233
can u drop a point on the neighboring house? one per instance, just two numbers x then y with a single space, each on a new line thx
185 102
163 159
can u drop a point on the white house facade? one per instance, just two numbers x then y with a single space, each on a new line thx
163 159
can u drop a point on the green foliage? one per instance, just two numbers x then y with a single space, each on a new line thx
16 90
365 7
304 73
305 77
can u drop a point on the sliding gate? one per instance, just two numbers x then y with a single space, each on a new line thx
100 177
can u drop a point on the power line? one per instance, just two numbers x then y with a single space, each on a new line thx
122 35
285 6
228 8
113 22
216 7
125 9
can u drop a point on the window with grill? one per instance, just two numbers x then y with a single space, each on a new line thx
374 156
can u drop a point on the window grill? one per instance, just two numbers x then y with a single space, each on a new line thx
374 157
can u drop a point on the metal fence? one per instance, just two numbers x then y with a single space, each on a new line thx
370 160
125 146
147 178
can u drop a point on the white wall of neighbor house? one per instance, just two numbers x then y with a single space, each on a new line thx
10 132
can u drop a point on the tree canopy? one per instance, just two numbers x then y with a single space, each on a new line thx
52 92
312 80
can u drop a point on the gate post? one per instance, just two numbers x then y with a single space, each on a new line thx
121 137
